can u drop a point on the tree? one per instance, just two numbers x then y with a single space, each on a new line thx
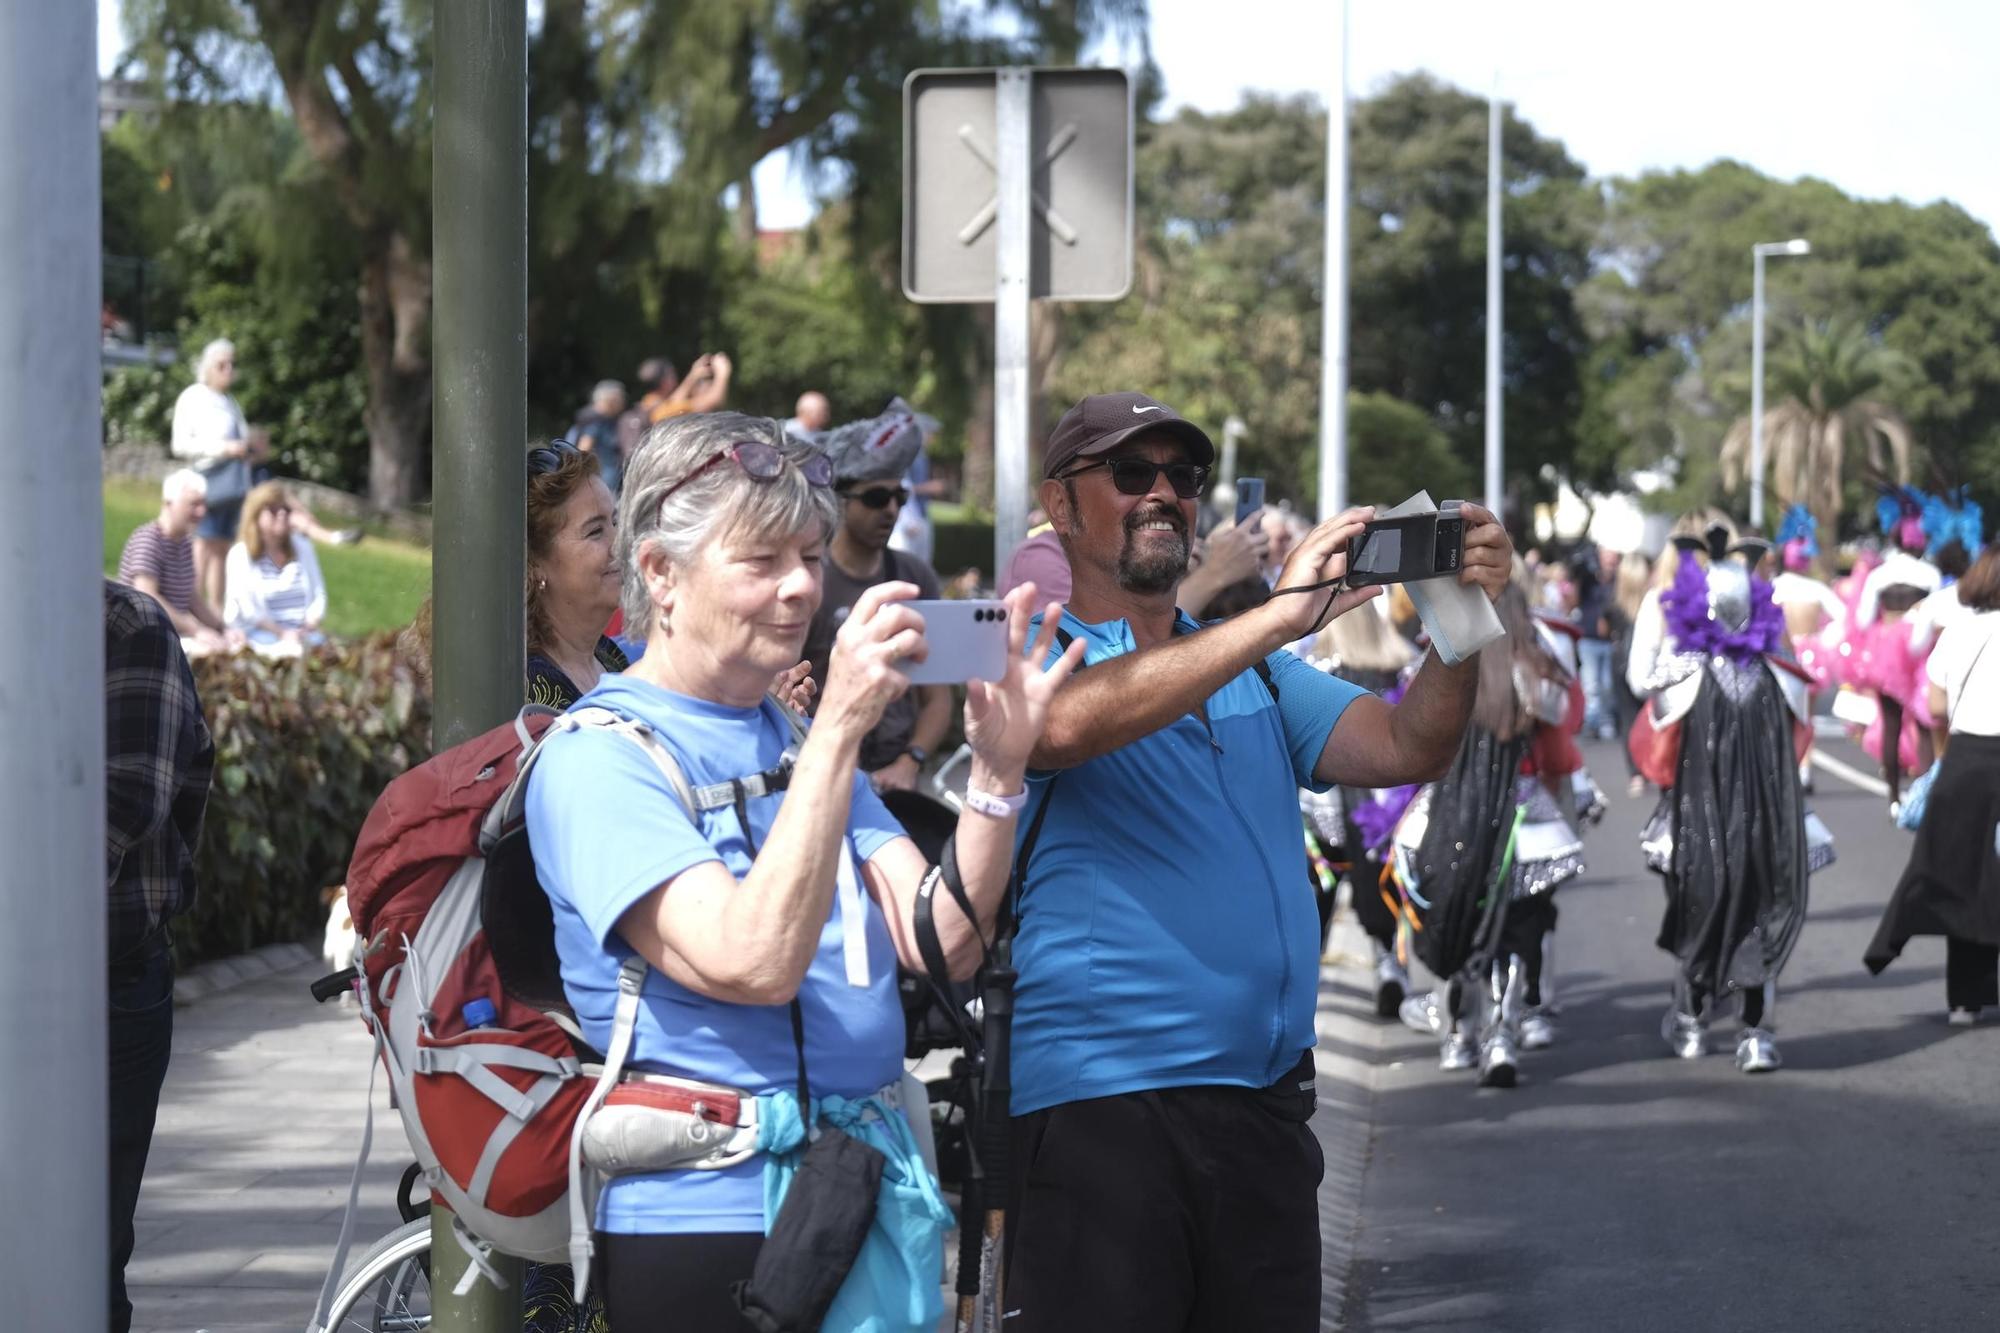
645 119
1226 315
355 80
1419 271
1831 378
1668 312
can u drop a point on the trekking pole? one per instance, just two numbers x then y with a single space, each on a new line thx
995 1125
970 1234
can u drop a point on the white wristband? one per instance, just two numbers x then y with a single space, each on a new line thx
1000 807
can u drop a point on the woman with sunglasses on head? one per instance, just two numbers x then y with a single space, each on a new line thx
769 927
573 576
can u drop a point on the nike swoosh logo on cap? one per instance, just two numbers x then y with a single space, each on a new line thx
1136 410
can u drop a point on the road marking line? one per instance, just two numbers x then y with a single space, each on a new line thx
1872 785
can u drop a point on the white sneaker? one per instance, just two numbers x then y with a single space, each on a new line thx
1962 1018
1756 1052
1537 1033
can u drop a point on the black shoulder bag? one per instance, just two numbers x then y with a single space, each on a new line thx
827 1212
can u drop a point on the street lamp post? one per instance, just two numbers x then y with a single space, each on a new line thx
1333 298
1796 246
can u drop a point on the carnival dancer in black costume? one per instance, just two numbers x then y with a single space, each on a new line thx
1732 837
1349 827
1479 854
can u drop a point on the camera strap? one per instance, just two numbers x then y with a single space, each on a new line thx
742 806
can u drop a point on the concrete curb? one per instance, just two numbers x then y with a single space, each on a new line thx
1350 1040
221 974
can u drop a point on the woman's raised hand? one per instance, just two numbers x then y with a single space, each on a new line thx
1004 718
862 676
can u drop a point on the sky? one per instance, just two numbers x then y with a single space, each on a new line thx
1883 100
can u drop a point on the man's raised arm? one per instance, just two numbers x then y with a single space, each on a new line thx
1115 703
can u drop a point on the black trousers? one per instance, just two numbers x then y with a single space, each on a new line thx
141 1041
1184 1210
1971 974
678 1283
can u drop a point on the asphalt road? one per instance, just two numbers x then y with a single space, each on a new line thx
1618 1188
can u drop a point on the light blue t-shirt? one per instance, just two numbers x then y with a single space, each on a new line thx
606 831
1168 932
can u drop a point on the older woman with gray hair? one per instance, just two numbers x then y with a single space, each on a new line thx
770 928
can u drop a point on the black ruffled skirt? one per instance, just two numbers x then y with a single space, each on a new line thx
1952 883
1736 882
1458 858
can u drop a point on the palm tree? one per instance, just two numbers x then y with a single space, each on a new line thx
1831 379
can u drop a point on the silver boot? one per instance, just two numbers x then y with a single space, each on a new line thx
1499 1054
1756 1048
1499 1061
1392 982
1686 1036
1757 1052
1455 1051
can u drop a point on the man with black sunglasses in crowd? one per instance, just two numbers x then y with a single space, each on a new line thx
869 459
1164 1175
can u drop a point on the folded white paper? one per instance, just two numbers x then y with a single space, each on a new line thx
1460 620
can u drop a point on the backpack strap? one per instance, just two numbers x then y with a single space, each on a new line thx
582 1197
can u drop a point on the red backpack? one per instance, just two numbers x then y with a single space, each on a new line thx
460 987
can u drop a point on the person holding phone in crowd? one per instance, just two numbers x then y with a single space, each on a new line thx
760 975
1163 1174
869 459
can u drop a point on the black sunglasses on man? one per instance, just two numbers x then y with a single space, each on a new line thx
1135 476
879 497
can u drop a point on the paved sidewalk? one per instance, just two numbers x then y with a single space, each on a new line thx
259 1123
261 1118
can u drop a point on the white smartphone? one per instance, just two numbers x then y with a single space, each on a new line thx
968 641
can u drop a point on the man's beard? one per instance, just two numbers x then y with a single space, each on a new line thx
1158 568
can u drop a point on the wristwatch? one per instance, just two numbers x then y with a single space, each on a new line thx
917 752
999 807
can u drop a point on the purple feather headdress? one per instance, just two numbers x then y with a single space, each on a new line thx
1695 630
1376 819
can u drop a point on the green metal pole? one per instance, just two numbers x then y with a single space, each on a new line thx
479 170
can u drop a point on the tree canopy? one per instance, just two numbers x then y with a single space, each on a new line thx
282 196
1227 314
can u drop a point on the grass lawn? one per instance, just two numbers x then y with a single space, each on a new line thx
377 584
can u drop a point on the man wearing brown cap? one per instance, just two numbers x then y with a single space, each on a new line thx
1164 1175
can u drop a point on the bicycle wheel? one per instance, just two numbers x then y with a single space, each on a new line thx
389 1289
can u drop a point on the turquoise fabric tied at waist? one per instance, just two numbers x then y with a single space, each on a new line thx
896 1284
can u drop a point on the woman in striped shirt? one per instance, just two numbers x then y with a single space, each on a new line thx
276 595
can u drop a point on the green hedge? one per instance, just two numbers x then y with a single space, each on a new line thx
302 749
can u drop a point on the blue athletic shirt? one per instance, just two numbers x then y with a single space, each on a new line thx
606 831
1168 933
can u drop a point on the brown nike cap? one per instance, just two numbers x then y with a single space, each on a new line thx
1106 420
